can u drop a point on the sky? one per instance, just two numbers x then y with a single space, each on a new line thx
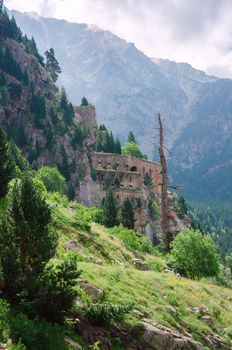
195 31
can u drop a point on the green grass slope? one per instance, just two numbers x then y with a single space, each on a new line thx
106 260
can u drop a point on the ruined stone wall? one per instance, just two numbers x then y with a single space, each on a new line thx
132 171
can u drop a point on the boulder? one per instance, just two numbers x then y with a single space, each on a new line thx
73 246
214 342
94 292
208 320
140 265
163 338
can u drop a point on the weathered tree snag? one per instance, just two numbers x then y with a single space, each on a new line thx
164 199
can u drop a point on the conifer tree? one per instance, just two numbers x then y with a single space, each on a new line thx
31 243
127 214
110 209
52 65
117 147
6 165
131 137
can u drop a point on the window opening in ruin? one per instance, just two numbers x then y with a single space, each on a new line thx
133 168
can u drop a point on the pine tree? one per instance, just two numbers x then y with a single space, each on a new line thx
52 65
84 102
117 147
131 137
32 242
6 165
127 214
110 209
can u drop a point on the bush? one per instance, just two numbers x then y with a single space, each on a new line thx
57 292
105 313
52 179
194 255
131 240
36 334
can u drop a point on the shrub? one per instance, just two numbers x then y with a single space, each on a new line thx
131 240
105 313
194 255
52 179
57 292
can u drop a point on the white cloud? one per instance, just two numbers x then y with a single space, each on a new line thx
194 31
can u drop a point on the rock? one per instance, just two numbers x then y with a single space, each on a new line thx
3 347
162 338
72 344
214 342
178 276
73 246
208 320
202 310
94 292
167 270
138 313
140 265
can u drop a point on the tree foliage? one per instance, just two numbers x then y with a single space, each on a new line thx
52 179
127 217
105 141
6 165
110 209
52 65
132 149
194 255
27 242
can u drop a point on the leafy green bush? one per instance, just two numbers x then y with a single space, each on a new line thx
52 179
105 313
194 255
132 149
132 240
36 334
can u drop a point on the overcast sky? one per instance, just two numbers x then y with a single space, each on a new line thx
195 31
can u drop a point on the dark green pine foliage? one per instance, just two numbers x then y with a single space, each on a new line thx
117 147
84 102
57 291
66 108
131 137
32 243
110 209
6 165
105 141
127 217
52 65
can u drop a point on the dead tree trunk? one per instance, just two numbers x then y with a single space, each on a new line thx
164 198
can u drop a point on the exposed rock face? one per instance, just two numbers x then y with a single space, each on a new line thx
93 291
162 338
140 265
214 342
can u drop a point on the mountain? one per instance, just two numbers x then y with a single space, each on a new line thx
37 115
128 89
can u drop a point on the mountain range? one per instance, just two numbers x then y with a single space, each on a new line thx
128 89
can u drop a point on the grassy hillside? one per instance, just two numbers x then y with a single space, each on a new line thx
106 262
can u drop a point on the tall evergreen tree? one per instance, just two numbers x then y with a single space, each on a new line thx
127 217
32 242
52 65
131 137
6 165
117 147
110 209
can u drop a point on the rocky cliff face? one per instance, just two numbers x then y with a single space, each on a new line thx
31 113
